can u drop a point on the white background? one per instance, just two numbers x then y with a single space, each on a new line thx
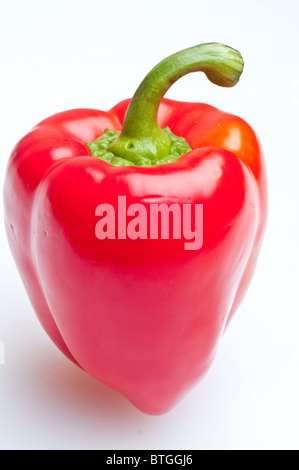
60 54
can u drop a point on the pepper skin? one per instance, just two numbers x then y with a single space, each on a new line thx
143 316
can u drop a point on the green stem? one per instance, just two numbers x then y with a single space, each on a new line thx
221 64
141 136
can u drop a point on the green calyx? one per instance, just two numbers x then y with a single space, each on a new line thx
101 149
141 141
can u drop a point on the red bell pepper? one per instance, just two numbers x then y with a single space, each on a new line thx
136 231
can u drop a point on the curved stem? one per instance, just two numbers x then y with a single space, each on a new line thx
221 64
141 133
